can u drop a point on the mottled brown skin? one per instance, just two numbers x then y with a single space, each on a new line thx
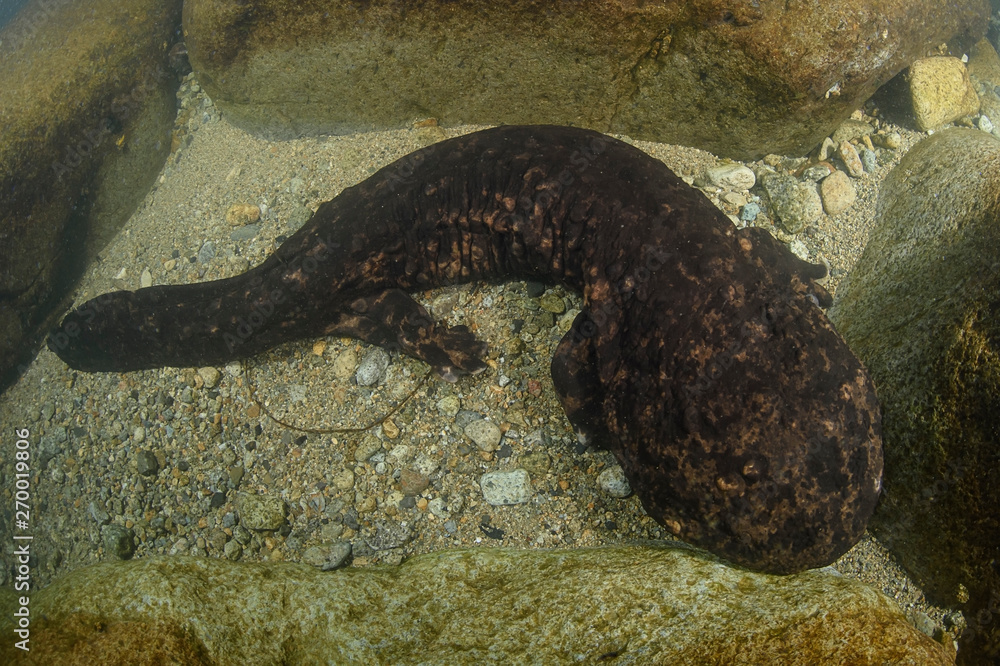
742 420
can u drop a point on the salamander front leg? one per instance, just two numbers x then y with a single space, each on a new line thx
392 319
576 380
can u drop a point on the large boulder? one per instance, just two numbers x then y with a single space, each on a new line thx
86 107
736 78
922 310
624 605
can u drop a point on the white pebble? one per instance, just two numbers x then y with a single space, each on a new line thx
612 481
505 488
485 434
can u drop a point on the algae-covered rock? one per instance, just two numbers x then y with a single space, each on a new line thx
922 311
86 107
623 605
733 77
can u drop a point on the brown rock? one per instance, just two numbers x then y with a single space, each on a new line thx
412 482
739 79
920 309
837 193
86 107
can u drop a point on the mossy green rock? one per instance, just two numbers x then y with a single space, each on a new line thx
922 310
737 78
625 605
86 108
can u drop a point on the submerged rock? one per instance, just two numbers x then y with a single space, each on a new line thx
921 310
735 78
625 605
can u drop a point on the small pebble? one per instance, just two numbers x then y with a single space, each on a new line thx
612 481
449 405
146 463
146 278
868 160
412 483
260 512
344 480
506 488
837 192
240 214
372 367
368 447
727 177
206 252
210 376
485 434
552 303
118 541
233 551
327 556
849 154
750 212
984 123
345 364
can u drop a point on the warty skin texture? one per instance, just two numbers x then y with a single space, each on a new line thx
700 359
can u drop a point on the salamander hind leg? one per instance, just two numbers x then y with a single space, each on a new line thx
576 381
392 319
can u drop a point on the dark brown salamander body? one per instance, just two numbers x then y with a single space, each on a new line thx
741 418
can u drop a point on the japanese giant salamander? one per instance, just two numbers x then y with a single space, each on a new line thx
700 359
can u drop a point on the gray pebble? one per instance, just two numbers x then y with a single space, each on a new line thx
139 434
466 416
245 233
206 252
233 550
372 367
260 512
868 160
146 463
389 535
449 405
438 508
612 481
536 462
119 541
485 434
795 204
328 556
505 488
298 217
984 123
368 447
98 513
750 212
